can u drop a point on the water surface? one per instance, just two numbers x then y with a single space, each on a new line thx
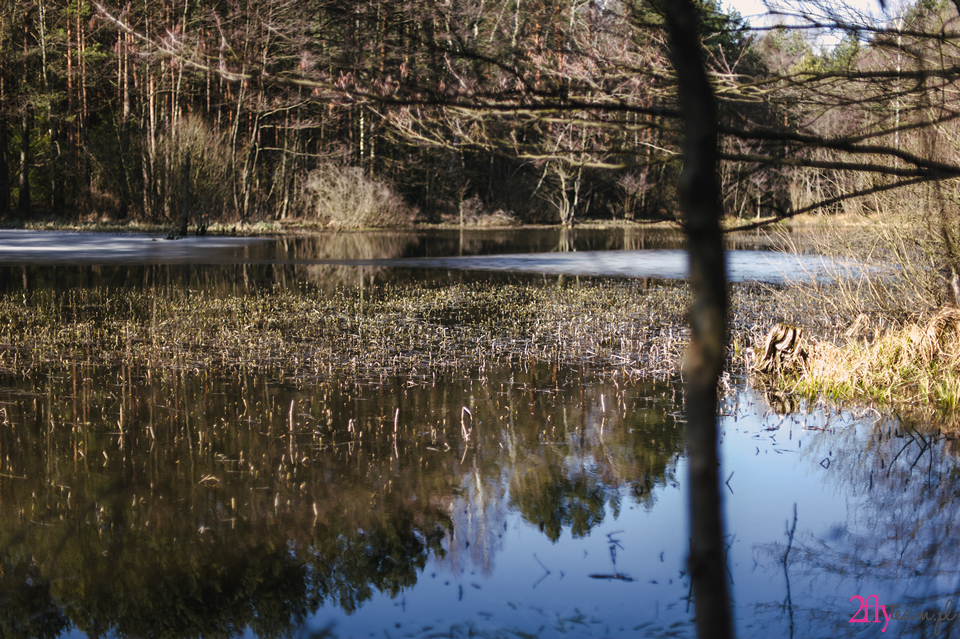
350 257
545 501
502 500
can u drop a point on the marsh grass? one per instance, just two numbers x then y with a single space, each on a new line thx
881 332
892 270
913 368
413 330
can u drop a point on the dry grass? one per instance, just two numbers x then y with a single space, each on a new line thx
889 273
405 329
884 336
912 368
621 328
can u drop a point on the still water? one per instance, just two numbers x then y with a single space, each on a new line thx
532 500
542 501
64 260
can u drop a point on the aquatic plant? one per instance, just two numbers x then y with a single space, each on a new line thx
409 329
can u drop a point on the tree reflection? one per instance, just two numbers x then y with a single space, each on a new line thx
188 504
900 541
29 610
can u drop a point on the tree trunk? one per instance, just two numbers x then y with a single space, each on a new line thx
699 195
4 166
185 220
123 77
23 202
4 160
87 181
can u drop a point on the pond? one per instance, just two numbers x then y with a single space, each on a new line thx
351 258
533 499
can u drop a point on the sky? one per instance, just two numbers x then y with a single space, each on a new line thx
751 9
755 13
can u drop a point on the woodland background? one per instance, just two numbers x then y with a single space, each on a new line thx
385 112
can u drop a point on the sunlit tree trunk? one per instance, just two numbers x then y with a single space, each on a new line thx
52 109
699 195
84 102
123 79
23 201
4 162
68 129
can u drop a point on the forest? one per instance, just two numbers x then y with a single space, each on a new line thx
384 113
390 113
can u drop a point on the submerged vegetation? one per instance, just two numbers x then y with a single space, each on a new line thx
408 329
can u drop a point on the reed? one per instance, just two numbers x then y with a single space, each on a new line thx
622 328
913 368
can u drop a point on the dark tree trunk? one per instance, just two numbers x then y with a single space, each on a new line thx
699 195
56 187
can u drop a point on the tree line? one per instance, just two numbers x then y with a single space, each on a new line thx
458 108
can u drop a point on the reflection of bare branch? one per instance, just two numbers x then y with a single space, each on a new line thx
902 540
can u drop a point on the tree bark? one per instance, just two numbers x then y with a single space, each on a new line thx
699 195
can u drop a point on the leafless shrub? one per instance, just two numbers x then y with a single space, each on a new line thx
473 212
634 187
100 203
345 197
889 272
210 170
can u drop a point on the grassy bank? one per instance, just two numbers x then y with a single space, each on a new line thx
912 369
885 337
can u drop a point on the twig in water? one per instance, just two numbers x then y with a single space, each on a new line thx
786 558
546 574
463 423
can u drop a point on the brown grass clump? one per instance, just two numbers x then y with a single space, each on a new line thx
914 367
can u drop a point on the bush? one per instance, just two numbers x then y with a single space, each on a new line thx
344 197
474 213
211 176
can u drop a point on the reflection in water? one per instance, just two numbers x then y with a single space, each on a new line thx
899 541
204 506
537 499
219 506
31 260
